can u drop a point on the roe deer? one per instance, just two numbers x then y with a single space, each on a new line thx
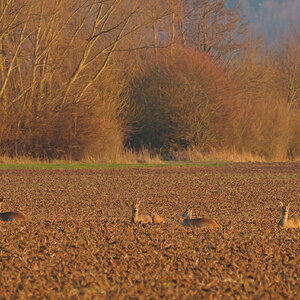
197 222
11 215
157 219
285 222
144 219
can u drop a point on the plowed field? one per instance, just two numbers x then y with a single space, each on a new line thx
80 244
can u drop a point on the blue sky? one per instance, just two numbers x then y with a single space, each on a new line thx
272 17
251 3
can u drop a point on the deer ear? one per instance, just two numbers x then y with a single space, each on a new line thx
281 204
289 204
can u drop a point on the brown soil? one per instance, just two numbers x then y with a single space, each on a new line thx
80 244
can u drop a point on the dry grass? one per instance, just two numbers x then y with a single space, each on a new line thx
19 160
193 154
124 156
142 156
117 156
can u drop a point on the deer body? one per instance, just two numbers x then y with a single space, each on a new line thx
285 222
198 222
11 215
157 219
144 219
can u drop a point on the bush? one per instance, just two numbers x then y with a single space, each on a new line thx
176 102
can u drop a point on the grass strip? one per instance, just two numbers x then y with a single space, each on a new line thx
86 165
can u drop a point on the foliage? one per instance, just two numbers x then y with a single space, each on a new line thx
177 102
82 79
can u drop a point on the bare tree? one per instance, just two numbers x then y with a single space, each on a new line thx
212 27
57 62
288 64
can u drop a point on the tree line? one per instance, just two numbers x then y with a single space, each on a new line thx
90 78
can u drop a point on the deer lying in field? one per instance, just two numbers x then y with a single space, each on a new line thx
144 219
189 220
11 215
285 222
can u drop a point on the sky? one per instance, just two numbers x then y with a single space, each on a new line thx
271 17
